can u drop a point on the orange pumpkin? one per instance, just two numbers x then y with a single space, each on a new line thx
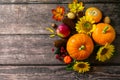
94 13
80 46
67 59
104 33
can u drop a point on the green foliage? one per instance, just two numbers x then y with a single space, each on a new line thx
70 66
57 51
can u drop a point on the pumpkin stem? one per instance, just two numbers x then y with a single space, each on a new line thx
82 47
105 29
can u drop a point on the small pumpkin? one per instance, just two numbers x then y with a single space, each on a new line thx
67 59
104 33
80 46
94 13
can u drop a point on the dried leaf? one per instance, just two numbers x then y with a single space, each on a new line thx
50 29
52 35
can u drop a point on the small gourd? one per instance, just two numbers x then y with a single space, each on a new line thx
107 20
71 15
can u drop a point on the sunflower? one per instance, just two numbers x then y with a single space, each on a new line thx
76 7
85 25
105 52
81 67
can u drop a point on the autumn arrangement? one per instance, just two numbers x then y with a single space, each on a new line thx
83 33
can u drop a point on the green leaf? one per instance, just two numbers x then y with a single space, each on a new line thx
70 66
57 51
115 53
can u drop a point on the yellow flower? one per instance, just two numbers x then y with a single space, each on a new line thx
85 25
76 7
105 52
81 67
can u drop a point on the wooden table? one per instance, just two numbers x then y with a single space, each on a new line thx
25 46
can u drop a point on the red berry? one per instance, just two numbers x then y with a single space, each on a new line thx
62 50
63 55
57 56
53 49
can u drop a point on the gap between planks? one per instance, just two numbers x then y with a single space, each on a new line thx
92 64
31 19
58 2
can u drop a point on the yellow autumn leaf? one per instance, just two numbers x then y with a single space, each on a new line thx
50 29
52 35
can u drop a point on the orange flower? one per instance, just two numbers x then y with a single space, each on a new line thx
58 13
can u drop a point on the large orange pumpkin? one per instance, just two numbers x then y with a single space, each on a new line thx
80 46
104 33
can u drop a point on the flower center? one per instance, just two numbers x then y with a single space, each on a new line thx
104 51
87 26
81 65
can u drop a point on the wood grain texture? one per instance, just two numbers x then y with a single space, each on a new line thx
35 49
57 73
26 49
54 1
28 21
34 18
35 73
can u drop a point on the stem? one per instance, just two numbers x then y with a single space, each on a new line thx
105 29
82 47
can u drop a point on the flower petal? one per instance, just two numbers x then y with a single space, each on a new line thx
58 13
103 57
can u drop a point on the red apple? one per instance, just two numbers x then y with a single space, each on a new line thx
63 31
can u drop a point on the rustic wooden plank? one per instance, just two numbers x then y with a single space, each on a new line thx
26 49
57 73
34 18
34 49
34 73
24 19
101 73
54 1
90 1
